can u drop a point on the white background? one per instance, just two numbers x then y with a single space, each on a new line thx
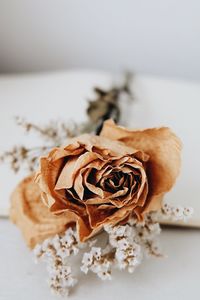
153 37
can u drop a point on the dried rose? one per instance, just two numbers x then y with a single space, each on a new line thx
96 180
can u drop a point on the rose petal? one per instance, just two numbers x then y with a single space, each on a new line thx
47 178
163 147
71 168
30 214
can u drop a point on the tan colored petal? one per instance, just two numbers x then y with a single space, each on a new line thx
33 218
104 146
91 186
99 217
71 168
163 147
46 178
65 179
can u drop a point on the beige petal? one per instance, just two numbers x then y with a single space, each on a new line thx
99 217
103 146
46 178
65 179
163 147
32 217
91 187
60 152
72 167
79 181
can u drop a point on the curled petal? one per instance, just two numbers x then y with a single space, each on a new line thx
163 148
30 214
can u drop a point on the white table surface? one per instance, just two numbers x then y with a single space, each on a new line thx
175 277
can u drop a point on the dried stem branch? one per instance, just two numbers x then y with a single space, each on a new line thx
55 133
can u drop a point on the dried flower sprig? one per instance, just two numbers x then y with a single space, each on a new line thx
97 262
106 106
55 252
128 253
176 213
55 133
126 247
21 156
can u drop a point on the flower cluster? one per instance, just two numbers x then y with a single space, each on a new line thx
176 213
98 263
126 246
55 252
128 253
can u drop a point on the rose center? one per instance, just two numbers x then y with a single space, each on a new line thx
114 181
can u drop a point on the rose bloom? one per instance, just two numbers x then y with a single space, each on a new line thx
99 180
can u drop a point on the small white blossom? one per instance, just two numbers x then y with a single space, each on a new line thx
167 210
96 252
96 263
116 233
177 212
104 272
86 262
188 212
128 255
123 243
